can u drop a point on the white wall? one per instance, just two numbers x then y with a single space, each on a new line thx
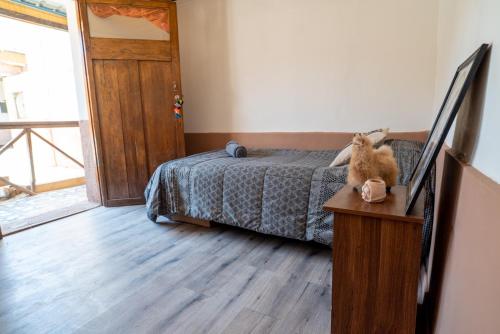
463 26
318 65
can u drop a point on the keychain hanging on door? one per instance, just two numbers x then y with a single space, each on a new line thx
178 106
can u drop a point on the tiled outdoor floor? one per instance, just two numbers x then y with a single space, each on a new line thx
22 211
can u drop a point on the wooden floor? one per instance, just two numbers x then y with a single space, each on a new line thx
110 270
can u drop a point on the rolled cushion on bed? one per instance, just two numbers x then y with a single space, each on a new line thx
236 150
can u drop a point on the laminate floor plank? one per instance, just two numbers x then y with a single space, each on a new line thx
120 278
309 314
110 270
245 322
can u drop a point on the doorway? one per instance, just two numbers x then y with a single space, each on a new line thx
42 170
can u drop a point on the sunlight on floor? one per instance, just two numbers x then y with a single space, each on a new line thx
23 211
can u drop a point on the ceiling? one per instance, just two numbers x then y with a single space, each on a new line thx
51 13
52 6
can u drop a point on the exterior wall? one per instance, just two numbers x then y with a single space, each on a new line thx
47 83
48 89
5 135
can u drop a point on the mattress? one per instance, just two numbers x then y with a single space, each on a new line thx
272 191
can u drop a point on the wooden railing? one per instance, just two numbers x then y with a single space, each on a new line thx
27 130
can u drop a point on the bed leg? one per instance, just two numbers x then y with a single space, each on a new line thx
189 220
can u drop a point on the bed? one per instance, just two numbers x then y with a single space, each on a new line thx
272 191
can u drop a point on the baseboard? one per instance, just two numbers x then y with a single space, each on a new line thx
202 142
465 250
124 202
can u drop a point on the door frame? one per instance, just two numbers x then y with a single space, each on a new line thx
93 155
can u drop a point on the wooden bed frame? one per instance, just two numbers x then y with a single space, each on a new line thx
189 220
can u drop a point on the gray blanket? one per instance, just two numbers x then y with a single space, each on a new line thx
279 192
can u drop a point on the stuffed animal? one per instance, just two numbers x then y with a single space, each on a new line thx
370 163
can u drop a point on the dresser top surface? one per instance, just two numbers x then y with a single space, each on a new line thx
349 201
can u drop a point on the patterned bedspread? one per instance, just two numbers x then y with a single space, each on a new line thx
279 192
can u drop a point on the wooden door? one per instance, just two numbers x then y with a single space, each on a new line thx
132 84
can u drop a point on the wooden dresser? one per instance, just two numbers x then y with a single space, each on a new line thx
132 84
376 263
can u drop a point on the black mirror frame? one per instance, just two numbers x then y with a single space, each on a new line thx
476 59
